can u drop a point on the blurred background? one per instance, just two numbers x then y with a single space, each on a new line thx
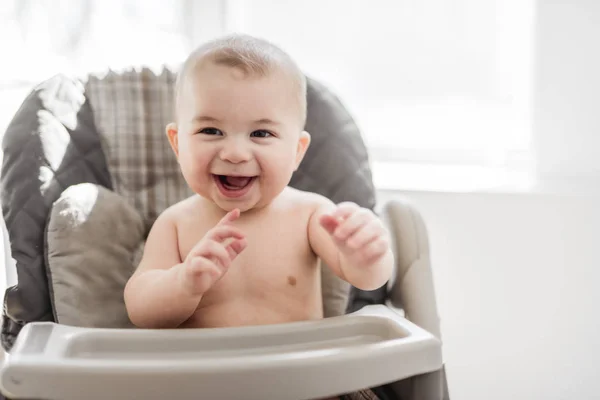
481 112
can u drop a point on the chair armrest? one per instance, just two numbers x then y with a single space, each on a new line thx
411 287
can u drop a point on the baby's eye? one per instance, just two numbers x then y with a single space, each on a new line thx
211 131
261 134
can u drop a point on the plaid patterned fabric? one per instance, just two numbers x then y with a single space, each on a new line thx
131 111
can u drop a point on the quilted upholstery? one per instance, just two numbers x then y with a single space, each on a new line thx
50 144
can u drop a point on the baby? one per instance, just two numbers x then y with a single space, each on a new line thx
245 249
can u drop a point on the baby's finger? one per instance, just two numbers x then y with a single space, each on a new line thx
203 266
329 223
202 275
344 210
222 232
369 232
352 224
236 247
230 216
374 250
216 252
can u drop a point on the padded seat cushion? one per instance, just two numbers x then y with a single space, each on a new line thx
91 242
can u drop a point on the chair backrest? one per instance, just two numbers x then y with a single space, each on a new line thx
115 125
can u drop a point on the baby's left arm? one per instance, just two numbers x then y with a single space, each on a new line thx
353 242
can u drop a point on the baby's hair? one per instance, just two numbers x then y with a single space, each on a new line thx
253 56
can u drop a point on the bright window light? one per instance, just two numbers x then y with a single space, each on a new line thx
428 81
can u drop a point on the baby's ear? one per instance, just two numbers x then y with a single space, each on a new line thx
303 144
172 136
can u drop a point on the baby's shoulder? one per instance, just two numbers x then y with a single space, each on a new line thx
178 208
180 211
308 201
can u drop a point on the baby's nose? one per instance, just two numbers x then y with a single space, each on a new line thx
235 152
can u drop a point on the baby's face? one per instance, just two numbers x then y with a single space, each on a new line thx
238 137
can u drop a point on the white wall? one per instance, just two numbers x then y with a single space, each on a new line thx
518 275
567 88
517 279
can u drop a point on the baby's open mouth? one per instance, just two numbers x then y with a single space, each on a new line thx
234 182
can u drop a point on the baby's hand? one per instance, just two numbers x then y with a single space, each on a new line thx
358 233
208 261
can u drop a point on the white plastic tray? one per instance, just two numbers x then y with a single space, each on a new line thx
302 360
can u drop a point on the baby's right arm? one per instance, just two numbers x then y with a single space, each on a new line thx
165 291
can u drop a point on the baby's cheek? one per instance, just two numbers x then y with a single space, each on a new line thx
275 175
194 169
284 166
192 166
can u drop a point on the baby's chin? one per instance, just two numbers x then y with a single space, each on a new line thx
244 208
247 206
244 205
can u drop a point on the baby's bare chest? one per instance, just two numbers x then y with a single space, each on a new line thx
277 259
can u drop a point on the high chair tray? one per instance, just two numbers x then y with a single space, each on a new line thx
300 360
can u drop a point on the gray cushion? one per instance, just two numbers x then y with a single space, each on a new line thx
91 241
50 144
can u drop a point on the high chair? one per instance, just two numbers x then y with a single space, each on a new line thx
86 171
